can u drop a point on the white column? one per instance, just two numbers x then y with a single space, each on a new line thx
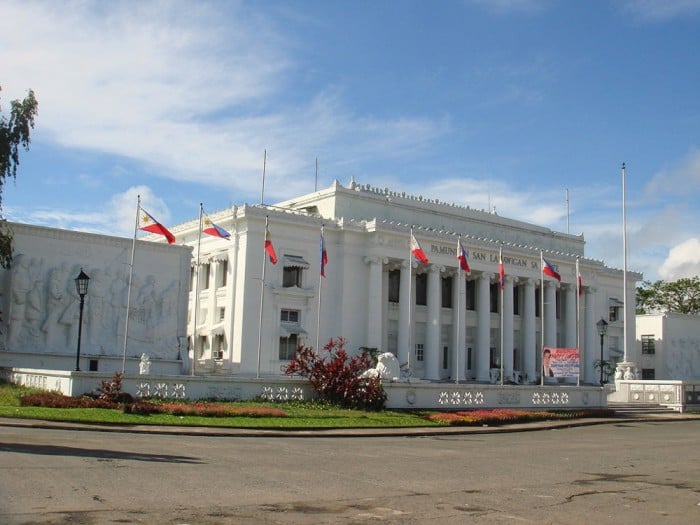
591 339
528 332
507 335
570 315
550 315
432 329
374 303
405 334
482 352
459 357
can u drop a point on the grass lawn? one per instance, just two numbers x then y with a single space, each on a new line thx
299 415
295 415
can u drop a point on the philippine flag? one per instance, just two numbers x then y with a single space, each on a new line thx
324 256
215 231
149 224
269 248
501 271
417 251
548 269
580 285
462 257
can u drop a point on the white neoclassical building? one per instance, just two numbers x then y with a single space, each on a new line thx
442 323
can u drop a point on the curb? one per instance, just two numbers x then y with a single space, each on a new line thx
338 432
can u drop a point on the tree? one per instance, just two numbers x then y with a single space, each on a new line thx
337 377
14 135
681 296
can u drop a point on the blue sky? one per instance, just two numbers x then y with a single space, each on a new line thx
486 103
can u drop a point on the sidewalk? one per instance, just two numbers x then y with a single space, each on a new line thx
342 432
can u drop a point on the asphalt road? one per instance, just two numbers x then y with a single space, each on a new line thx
628 472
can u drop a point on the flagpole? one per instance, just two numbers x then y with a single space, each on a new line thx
542 318
262 299
262 191
458 306
196 292
128 289
578 321
501 286
320 284
316 176
624 265
410 303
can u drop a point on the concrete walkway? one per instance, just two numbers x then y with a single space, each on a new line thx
344 432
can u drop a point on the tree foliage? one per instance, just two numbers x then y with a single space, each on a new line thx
681 296
14 135
337 377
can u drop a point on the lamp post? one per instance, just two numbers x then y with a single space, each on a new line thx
81 286
602 330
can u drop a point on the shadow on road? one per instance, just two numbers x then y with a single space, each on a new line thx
51 450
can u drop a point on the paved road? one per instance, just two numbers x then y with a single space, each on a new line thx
628 472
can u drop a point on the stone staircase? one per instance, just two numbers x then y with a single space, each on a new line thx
641 409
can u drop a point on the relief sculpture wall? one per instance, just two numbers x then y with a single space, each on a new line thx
41 306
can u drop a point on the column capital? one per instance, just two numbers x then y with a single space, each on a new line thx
375 260
436 268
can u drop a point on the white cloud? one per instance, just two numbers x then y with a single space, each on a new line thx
683 261
168 85
660 10
682 179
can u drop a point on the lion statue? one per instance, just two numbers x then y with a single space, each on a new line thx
387 368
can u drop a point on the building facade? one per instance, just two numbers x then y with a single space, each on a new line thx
668 346
247 315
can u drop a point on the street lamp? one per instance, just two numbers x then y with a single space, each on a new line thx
81 286
602 330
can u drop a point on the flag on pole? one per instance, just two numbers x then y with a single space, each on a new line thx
417 251
462 257
580 285
501 270
269 248
149 224
214 230
323 255
548 269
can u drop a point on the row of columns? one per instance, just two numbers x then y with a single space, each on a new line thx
481 356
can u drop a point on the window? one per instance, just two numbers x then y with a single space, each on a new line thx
445 357
471 295
516 300
422 289
648 373
495 358
557 303
447 292
469 358
204 276
394 285
291 277
193 274
648 344
494 290
538 302
223 273
219 346
293 272
289 316
202 344
222 313
419 351
614 314
288 347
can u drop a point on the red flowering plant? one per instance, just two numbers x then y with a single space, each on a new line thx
337 377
